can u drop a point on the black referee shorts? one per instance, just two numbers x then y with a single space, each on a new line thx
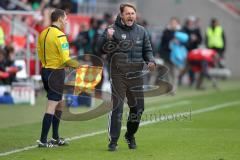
53 82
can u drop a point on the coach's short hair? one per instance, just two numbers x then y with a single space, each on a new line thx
122 7
56 14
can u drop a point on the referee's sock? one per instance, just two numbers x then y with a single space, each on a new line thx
46 124
55 124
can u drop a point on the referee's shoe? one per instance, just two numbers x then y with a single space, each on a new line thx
59 142
45 145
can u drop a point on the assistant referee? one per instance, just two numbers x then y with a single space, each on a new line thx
53 52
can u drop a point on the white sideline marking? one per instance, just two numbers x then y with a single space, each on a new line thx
199 111
204 110
170 105
223 7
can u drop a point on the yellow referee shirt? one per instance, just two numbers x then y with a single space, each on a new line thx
53 48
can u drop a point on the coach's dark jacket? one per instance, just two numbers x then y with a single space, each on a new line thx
133 48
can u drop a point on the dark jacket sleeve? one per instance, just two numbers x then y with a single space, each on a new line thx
147 49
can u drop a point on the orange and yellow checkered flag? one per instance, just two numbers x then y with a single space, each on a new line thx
87 78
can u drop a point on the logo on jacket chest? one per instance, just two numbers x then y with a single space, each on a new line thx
124 36
138 40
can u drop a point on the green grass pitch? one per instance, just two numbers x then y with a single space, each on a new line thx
208 129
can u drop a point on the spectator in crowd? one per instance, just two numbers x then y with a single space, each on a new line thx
193 30
9 63
165 51
86 40
215 38
200 61
3 74
10 55
178 50
194 33
108 18
7 68
81 40
90 35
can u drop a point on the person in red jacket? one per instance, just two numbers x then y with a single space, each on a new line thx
200 60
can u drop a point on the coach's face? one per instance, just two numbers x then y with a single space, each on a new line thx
128 16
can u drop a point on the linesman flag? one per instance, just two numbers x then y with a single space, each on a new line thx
87 78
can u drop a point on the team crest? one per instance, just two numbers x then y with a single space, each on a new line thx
138 41
124 36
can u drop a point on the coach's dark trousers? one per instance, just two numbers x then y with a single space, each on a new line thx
132 89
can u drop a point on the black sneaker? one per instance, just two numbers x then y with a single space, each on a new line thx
45 145
59 142
131 142
112 146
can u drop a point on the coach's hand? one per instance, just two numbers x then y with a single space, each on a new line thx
110 33
151 66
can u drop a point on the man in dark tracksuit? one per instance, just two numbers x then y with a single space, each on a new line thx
128 47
